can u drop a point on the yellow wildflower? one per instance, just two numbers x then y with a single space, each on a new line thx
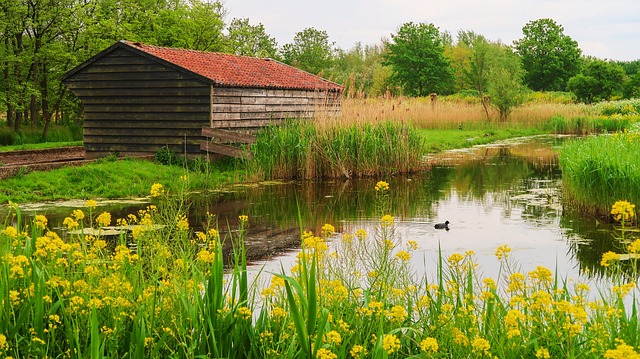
623 211
333 337
40 221
390 343
503 252
608 257
10 231
361 234
3 344
243 218
91 204
543 353
397 314
328 230
244 313
382 186
634 247
357 351
77 214
182 223
104 219
481 345
429 345
386 220
70 223
324 353
403 256
156 190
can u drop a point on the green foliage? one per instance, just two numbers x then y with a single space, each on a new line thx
26 135
250 40
310 51
416 55
550 58
361 72
505 87
632 87
599 80
557 97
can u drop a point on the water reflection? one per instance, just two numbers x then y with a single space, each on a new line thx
508 193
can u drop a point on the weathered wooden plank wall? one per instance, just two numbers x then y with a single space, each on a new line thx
250 108
136 106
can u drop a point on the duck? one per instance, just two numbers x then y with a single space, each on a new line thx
444 225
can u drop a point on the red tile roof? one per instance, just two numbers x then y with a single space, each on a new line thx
240 71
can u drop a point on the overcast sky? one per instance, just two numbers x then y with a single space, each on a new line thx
606 29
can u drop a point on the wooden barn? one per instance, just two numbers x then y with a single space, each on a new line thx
139 99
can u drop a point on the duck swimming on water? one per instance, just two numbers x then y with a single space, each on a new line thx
444 225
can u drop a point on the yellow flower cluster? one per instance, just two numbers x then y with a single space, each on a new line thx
390 343
382 186
608 257
503 252
623 211
156 190
429 345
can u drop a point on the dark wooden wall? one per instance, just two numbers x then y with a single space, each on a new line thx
136 106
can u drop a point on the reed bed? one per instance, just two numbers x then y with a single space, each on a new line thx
450 113
350 295
600 169
301 149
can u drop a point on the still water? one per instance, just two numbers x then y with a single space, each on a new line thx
504 193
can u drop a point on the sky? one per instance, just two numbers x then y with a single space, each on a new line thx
605 29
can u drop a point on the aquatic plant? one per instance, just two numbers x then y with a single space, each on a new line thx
598 170
302 149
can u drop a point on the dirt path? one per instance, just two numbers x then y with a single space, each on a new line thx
14 162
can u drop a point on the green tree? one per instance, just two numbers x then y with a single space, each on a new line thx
310 51
599 80
549 57
250 40
416 56
360 70
632 86
504 80
476 73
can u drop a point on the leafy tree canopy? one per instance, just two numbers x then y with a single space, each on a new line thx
549 57
310 51
600 80
250 40
416 56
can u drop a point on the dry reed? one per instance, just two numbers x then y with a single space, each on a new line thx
443 113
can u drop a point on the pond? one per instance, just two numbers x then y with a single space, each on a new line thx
505 193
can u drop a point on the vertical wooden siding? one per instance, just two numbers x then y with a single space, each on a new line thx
136 106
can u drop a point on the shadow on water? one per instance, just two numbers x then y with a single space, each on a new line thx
506 193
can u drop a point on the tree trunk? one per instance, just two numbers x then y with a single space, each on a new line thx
46 115
7 90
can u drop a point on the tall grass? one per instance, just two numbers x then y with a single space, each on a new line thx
353 294
553 113
598 170
451 113
27 135
301 149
